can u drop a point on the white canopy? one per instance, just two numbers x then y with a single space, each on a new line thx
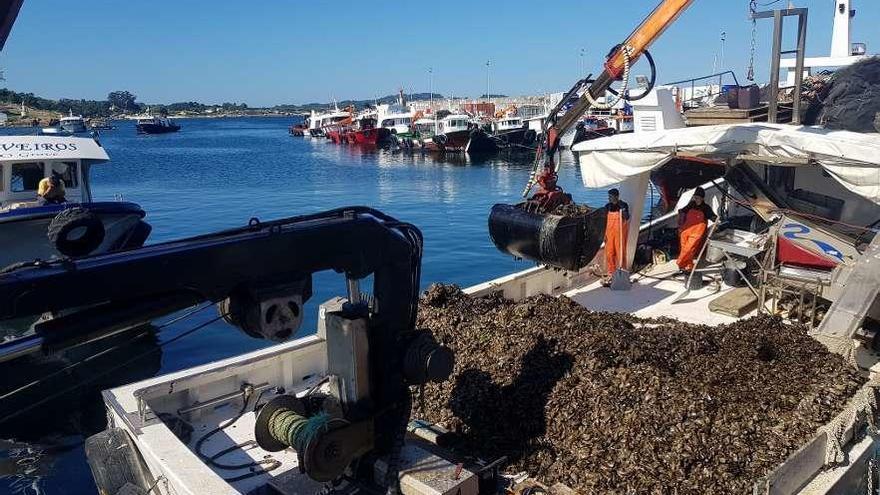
51 148
851 158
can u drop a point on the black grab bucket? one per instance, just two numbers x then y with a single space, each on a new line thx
569 242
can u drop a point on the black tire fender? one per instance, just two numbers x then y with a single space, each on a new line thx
530 136
76 232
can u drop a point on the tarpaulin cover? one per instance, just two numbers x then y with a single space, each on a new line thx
851 158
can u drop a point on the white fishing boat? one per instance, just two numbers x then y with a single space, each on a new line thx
319 121
828 167
396 117
68 225
67 126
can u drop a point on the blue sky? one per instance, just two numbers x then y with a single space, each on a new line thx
271 52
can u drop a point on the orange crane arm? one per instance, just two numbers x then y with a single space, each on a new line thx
635 45
648 31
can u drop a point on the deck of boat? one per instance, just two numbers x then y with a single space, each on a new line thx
652 295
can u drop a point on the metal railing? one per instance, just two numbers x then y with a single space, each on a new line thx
709 94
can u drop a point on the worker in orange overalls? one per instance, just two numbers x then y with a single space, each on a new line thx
616 228
692 222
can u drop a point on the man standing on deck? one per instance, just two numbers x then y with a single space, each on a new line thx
692 222
616 229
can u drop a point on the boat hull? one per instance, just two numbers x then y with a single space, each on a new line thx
156 128
480 142
23 231
372 137
516 137
450 141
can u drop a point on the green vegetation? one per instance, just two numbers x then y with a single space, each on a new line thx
120 102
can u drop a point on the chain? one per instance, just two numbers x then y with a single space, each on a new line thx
753 9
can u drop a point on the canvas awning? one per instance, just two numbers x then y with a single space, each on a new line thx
851 158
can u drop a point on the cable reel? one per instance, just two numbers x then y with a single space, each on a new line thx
325 443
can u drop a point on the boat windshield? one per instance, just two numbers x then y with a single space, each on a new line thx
66 171
393 122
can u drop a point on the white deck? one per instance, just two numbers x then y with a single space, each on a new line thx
238 434
651 296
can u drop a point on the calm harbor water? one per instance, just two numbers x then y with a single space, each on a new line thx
217 174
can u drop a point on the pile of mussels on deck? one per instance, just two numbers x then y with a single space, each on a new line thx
609 403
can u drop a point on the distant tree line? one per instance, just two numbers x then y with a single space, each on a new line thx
125 102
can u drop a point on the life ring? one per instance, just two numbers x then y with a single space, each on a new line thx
76 232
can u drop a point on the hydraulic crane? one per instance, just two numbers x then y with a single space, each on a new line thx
530 229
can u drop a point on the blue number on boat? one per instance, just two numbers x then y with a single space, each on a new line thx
801 229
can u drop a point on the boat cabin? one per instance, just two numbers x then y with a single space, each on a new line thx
396 118
425 126
507 124
453 123
153 120
25 160
73 124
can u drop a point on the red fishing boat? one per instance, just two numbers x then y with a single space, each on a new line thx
366 131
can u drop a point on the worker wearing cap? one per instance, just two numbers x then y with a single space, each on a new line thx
692 222
616 228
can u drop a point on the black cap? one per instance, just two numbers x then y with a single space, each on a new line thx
700 192
614 192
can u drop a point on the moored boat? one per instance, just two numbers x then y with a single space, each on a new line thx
366 131
154 124
453 132
70 223
513 131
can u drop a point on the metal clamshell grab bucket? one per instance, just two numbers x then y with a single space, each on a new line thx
569 242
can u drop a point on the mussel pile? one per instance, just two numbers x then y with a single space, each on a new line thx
609 403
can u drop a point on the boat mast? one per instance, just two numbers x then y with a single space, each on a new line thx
431 90
488 95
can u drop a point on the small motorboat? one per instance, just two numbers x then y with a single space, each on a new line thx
71 225
153 124
67 126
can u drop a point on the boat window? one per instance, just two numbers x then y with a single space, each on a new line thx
406 120
25 176
67 172
387 122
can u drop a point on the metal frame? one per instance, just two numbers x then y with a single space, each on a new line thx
776 60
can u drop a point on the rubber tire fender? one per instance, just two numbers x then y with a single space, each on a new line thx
69 220
529 136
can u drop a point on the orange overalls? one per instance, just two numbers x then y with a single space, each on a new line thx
616 229
690 236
